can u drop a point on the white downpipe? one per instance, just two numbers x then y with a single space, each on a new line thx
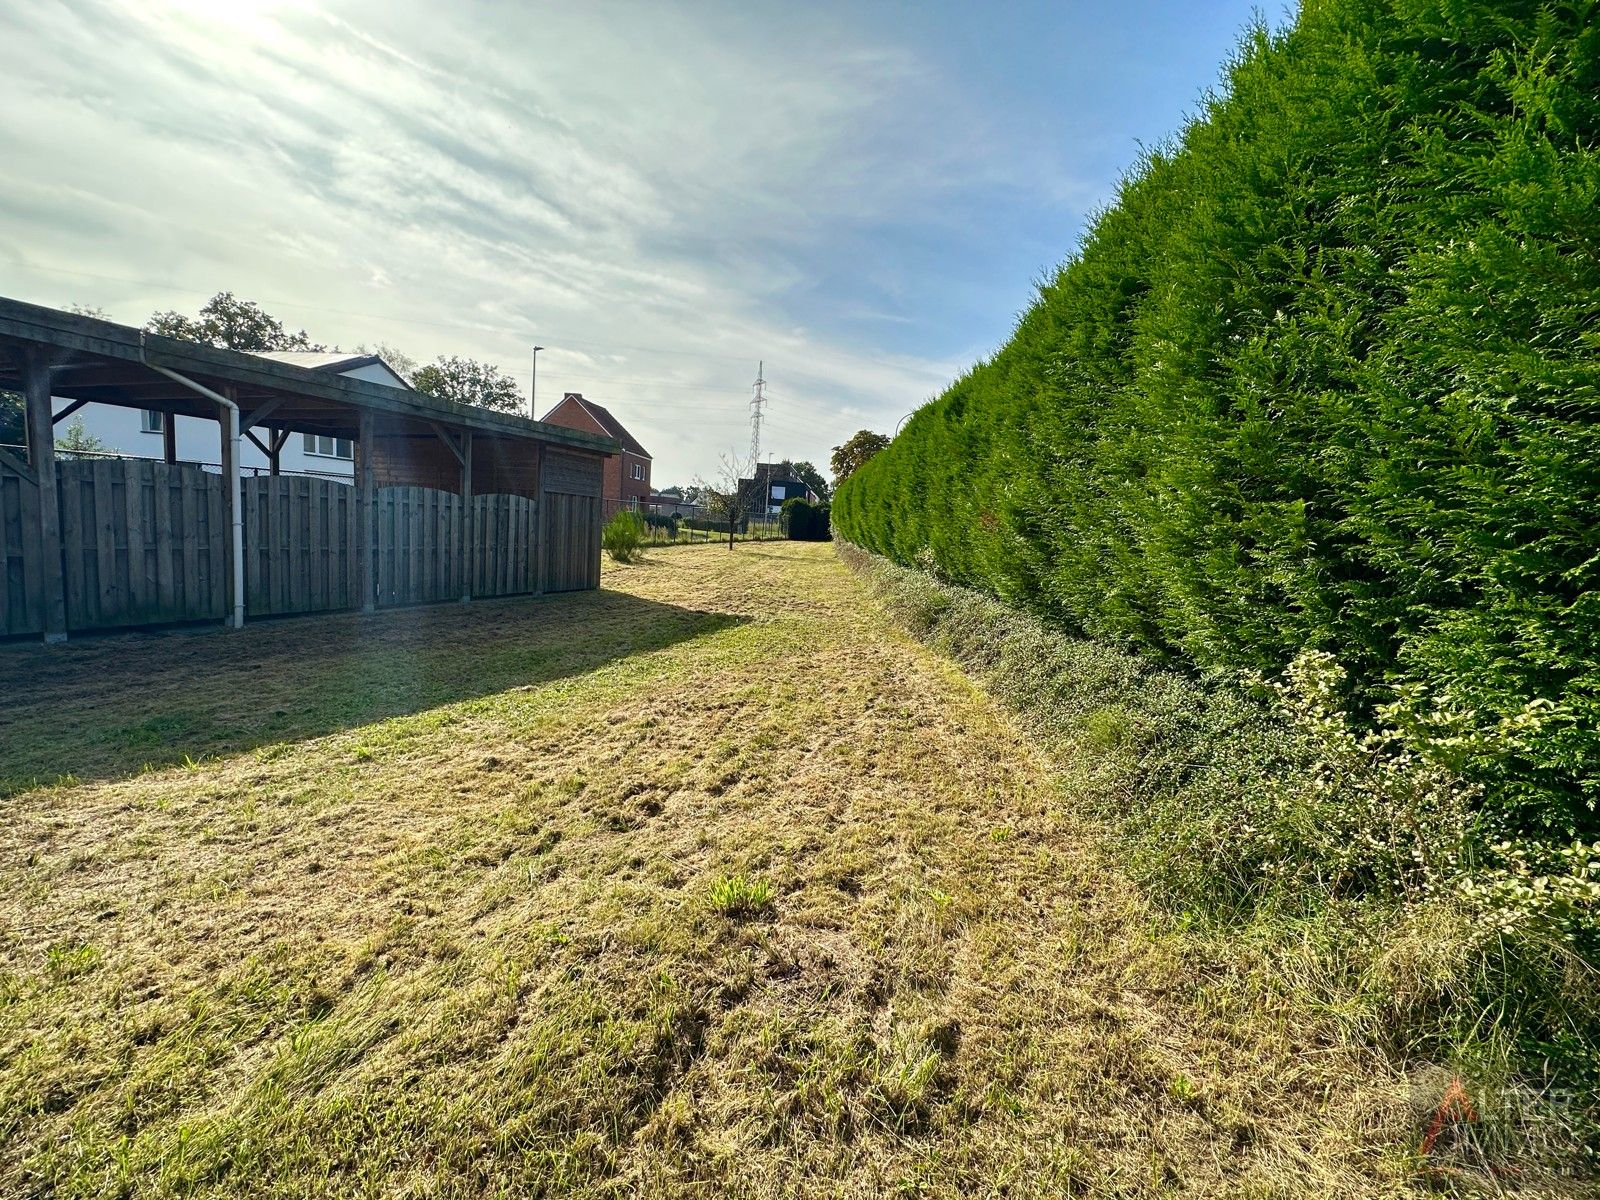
234 491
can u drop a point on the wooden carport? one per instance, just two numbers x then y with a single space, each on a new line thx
449 501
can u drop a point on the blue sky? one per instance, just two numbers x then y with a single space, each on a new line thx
661 194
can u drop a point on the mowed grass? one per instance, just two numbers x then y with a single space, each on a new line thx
709 884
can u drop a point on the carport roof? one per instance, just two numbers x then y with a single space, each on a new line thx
104 362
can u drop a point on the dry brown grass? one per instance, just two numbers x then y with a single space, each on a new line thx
433 909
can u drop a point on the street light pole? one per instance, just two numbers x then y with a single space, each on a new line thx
533 387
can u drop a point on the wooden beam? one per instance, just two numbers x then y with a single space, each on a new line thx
42 457
448 440
169 437
108 343
10 459
67 411
259 444
259 414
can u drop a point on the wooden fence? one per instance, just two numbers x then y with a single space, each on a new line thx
572 542
21 563
145 543
300 537
423 553
142 542
505 552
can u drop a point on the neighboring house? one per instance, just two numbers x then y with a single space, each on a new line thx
669 504
138 433
771 486
627 475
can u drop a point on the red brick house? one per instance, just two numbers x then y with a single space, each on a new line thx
626 482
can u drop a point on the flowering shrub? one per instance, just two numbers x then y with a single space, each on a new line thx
1355 852
1527 886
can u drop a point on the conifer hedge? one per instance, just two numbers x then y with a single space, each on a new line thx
1326 375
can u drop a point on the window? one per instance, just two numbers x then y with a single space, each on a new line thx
327 447
638 470
152 420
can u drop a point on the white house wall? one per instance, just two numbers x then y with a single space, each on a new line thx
198 441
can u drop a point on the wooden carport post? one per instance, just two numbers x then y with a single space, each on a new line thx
232 505
366 511
540 499
42 457
469 540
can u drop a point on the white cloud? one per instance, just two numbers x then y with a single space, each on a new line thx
638 187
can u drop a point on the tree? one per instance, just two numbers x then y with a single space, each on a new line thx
850 457
467 381
13 423
725 495
78 442
230 324
402 363
808 474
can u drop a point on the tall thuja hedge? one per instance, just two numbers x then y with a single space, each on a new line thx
1327 375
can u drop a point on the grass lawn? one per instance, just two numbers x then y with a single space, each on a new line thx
711 883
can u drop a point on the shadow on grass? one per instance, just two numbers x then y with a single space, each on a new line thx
106 707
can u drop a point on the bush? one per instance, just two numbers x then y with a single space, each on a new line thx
803 521
623 536
1324 376
667 523
707 524
1349 857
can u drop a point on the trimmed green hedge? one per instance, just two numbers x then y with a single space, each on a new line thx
804 521
1326 375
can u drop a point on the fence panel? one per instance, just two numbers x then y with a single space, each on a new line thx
21 554
419 539
572 542
504 554
299 539
143 542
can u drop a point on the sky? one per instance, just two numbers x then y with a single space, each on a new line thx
863 196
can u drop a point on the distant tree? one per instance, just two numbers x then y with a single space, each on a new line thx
848 458
78 442
726 496
812 478
468 381
89 310
404 365
691 494
13 420
230 324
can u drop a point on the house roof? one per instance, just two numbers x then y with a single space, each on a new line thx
606 421
101 361
320 360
